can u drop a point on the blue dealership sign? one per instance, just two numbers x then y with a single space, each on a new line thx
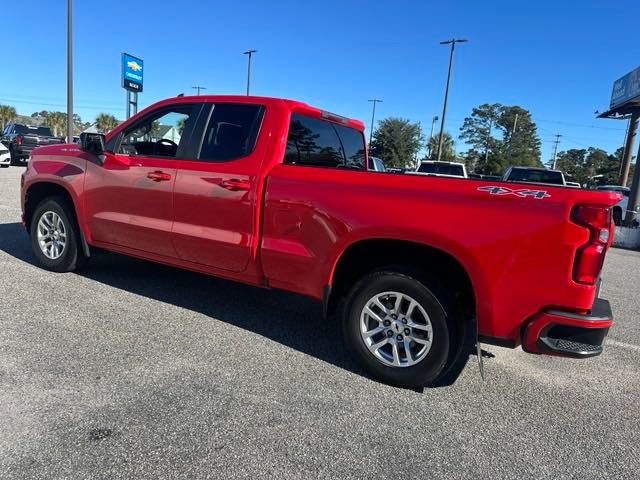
626 88
132 73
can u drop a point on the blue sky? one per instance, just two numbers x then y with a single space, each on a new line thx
557 59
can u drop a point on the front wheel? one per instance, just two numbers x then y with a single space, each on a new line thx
397 328
55 236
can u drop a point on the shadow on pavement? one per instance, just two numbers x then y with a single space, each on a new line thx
292 320
15 241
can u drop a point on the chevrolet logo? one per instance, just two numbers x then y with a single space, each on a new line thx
134 66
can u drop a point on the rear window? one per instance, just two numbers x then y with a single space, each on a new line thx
441 169
232 131
537 176
26 130
316 142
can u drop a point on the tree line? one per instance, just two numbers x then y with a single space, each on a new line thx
497 136
57 121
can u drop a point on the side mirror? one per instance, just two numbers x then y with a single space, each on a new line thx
92 143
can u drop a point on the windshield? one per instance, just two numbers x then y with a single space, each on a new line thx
442 169
537 176
25 130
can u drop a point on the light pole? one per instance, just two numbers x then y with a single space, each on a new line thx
433 123
451 42
250 53
198 88
373 117
69 71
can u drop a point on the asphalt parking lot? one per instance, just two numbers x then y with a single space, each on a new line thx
129 369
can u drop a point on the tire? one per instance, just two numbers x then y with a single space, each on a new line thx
59 213
430 363
4 166
617 216
13 157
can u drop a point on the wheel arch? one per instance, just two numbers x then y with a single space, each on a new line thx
37 192
363 256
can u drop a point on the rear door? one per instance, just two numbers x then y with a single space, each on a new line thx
129 197
215 194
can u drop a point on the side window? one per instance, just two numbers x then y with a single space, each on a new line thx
232 131
353 145
159 134
316 142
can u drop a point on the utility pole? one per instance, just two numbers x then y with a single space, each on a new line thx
451 42
198 88
513 134
632 132
250 53
373 117
69 71
555 149
433 122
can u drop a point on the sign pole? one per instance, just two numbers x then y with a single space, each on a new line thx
628 148
633 207
69 71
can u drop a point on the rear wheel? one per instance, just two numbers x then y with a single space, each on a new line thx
55 236
398 329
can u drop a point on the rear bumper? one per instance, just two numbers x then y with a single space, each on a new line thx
23 151
567 334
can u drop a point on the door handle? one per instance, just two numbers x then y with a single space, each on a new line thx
159 176
235 184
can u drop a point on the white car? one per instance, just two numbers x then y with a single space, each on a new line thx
441 169
620 208
5 156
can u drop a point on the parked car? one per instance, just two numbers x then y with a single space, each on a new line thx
620 208
441 169
5 156
376 164
274 193
21 139
534 175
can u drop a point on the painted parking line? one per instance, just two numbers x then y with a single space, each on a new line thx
628 346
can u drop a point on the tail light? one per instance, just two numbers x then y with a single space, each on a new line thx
590 256
18 139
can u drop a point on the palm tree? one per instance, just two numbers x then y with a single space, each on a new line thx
448 148
105 122
7 113
56 121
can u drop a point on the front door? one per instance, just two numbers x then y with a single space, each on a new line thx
215 195
129 197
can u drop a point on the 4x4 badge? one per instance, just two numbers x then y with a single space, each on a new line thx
523 192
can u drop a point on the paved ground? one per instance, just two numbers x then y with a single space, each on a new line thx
131 369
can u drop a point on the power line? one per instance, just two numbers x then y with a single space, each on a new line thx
581 125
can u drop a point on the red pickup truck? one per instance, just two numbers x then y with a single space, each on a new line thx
277 194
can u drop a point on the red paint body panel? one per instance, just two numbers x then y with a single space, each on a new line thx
257 220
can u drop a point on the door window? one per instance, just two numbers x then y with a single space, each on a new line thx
160 134
231 132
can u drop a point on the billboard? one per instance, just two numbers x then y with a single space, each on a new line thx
625 88
132 73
